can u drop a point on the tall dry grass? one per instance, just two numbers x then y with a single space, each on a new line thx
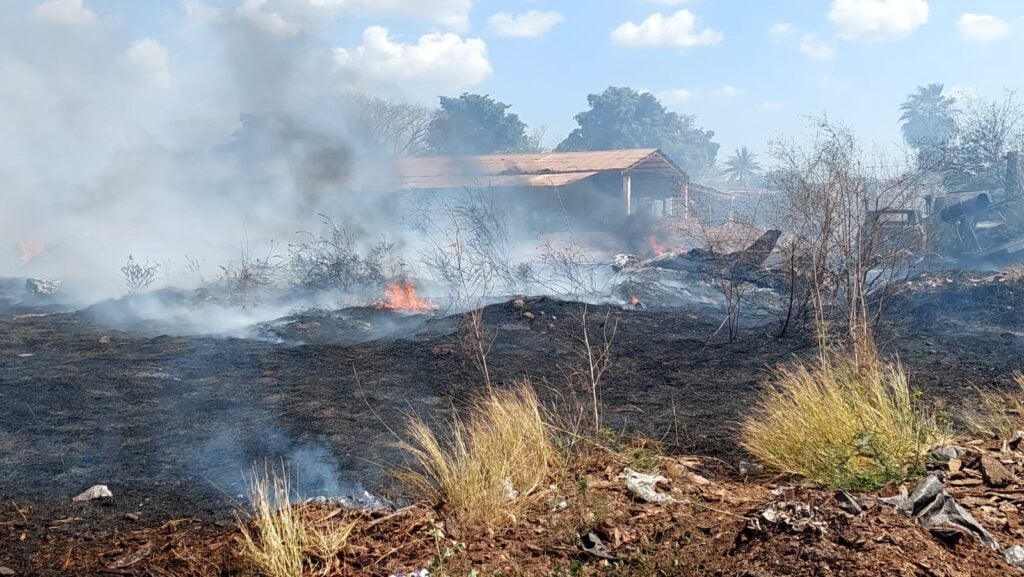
840 423
487 464
998 414
286 540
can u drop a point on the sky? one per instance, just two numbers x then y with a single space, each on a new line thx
749 70
117 118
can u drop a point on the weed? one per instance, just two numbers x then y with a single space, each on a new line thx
840 423
487 463
999 414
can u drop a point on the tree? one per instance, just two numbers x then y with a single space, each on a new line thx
395 128
986 132
742 166
476 124
621 117
929 123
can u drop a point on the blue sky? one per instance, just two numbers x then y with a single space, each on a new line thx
749 70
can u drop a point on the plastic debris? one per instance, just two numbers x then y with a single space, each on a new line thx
420 573
930 506
509 491
645 487
592 544
794 516
92 493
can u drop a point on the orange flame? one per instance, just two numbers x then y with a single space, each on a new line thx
30 249
401 295
634 300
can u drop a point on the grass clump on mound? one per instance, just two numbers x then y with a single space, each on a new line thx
488 463
840 424
286 540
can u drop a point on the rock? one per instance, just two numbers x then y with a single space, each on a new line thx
105 340
442 351
995 473
94 492
946 454
132 516
1014 556
529 315
6 571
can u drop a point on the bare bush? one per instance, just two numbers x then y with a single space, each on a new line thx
331 261
839 244
244 277
138 276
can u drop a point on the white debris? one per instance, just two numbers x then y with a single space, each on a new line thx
645 487
94 492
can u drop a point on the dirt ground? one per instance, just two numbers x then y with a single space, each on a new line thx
172 423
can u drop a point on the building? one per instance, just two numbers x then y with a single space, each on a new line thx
586 187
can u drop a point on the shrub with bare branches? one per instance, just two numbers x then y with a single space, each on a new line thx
331 260
138 276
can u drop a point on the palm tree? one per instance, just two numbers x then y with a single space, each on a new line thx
742 166
928 120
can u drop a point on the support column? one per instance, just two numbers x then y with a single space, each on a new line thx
627 191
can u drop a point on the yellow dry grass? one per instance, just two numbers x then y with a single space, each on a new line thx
487 464
839 423
999 414
286 540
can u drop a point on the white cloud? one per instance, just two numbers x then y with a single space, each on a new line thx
149 58
981 28
678 31
525 25
875 20
832 84
676 96
443 60
769 105
667 2
65 12
816 48
727 91
453 14
782 30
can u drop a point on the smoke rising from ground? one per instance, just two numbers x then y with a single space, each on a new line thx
112 146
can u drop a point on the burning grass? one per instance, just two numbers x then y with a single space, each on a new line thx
999 414
840 424
487 465
285 540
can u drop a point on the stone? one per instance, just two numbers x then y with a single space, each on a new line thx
995 473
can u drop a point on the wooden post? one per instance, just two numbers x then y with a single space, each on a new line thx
627 191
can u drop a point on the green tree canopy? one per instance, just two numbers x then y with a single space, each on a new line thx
928 122
621 117
476 124
742 167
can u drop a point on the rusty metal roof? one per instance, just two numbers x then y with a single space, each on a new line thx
533 170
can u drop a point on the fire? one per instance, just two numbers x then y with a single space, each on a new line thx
657 247
634 300
30 249
401 295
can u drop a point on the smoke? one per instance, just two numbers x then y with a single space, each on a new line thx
113 145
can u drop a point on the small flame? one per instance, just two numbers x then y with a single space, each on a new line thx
401 295
30 249
634 300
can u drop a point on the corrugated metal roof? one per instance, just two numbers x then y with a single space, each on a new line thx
547 169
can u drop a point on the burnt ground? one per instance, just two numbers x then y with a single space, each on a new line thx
171 423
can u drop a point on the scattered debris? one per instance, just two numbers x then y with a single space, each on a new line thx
92 493
105 340
134 557
793 517
932 507
645 487
593 545
6 571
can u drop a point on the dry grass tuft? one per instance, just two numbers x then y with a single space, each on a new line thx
840 424
999 414
284 540
488 463
1014 273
